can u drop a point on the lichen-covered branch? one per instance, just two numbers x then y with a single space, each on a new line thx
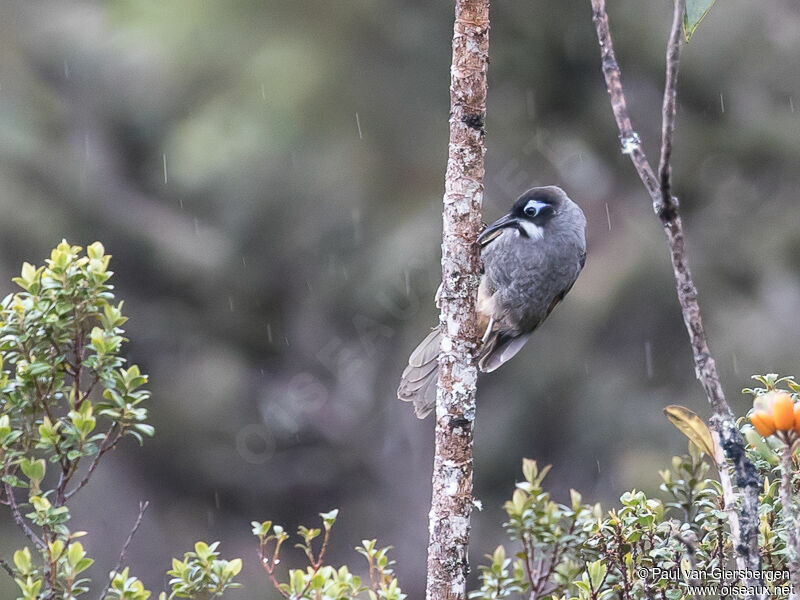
451 502
667 209
789 512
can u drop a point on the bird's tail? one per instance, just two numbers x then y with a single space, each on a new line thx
418 383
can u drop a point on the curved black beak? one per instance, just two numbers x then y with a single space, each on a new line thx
492 230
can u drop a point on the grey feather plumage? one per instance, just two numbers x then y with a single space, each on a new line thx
530 263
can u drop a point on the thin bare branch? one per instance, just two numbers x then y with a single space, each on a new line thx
19 520
669 108
629 139
667 209
142 508
7 568
118 567
269 567
113 435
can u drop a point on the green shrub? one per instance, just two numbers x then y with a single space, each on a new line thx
66 399
646 547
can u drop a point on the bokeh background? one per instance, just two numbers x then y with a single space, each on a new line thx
268 177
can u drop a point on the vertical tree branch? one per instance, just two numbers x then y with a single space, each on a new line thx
667 209
451 502
789 513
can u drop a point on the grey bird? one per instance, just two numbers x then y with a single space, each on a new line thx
531 259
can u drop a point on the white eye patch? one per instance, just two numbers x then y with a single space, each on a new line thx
534 207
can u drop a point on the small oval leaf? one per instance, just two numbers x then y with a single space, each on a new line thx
692 426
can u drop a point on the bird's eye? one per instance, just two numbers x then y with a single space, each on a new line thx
534 208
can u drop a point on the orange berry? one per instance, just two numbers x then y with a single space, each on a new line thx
797 418
763 422
783 411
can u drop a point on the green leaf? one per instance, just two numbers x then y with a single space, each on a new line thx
23 560
696 10
33 469
329 518
233 567
145 429
75 553
95 250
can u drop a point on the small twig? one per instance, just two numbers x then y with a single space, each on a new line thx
529 568
316 563
88 391
270 569
118 567
630 140
12 502
690 543
109 442
7 568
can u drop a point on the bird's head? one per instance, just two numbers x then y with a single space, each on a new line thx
535 212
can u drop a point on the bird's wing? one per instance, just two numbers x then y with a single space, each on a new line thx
418 383
500 349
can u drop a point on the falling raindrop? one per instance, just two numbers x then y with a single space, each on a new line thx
358 125
735 364
269 334
608 217
166 179
66 70
263 92
791 104
721 102
356 225
648 358
230 303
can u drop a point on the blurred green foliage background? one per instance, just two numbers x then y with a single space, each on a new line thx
268 176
